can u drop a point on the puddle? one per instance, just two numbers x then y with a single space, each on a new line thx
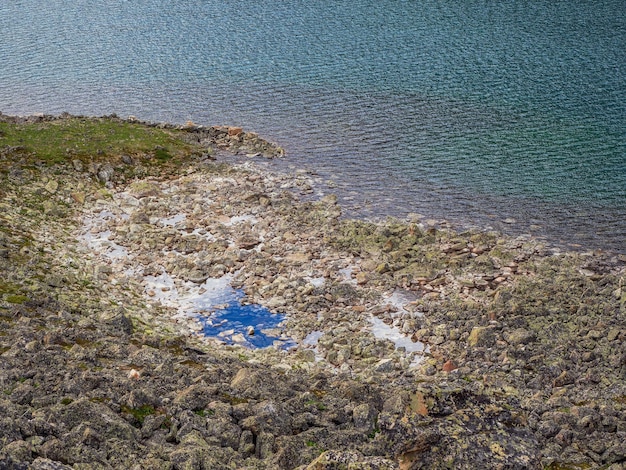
203 233
317 281
400 298
173 220
346 275
245 325
96 236
383 331
218 307
240 219
214 304
100 242
312 338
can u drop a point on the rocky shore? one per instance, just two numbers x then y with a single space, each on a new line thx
403 345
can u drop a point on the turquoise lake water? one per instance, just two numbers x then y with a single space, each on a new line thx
468 110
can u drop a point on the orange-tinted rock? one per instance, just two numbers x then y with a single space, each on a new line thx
449 366
234 130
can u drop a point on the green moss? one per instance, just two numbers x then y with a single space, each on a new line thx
16 299
8 288
317 404
162 155
232 399
139 414
99 399
204 413
66 401
62 140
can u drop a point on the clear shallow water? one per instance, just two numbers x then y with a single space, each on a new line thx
219 308
230 319
471 111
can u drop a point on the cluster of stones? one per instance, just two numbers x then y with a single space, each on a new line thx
248 227
526 360
230 138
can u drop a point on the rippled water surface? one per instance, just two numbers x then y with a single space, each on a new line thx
470 110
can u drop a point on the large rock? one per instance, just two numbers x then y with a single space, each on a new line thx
519 336
98 417
350 460
481 337
195 397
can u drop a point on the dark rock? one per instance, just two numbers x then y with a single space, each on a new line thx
195 397
100 417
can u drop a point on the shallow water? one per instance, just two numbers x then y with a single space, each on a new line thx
473 111
219 309
383 331
246 325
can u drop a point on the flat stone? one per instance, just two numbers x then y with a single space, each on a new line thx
481 336
613 334
52 186
519 336
78 198
384 365
299 257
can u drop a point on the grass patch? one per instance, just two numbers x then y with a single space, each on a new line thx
8 288
139 414
61 140
317 404
233 400
16 299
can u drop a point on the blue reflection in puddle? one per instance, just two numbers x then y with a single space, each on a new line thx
231 324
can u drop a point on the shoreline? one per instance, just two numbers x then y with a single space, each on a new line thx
526 347
503 225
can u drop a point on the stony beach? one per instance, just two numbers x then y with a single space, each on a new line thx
397 345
